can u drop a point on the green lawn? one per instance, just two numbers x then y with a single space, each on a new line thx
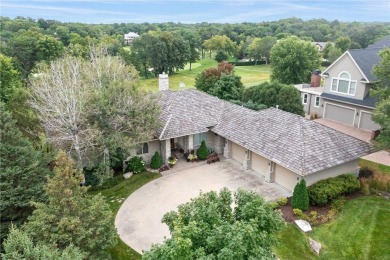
250 75
375 167
115 197
360 231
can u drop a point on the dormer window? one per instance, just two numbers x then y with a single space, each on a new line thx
344 84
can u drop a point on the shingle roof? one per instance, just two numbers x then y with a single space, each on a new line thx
296 143
368 101
368 57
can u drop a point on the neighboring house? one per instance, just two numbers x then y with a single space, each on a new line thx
345 95
129 37
281 146
320 45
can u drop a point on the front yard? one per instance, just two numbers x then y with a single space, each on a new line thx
360 231
115 196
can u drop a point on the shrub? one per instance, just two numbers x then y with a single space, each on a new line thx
90 177
202 151
365 172
324 191
136 165
282 201
156 161
338 204
107 184
300 198
274 204
299 213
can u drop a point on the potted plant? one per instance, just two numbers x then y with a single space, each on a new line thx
192 157
172 161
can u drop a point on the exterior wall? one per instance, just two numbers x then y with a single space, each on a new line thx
345 64
260 164
348 167
180 142
285 177
310 106
153 146
216 142
357 121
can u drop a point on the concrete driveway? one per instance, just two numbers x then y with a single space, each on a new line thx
138 221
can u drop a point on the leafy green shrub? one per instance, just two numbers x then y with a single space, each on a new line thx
282 201
300 198
274 204
221 56
109 183
136 164
156 161
324 191
298 212
338 204
90 177
202 151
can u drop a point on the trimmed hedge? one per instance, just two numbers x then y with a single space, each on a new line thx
324 191
156 161
247 63
202 152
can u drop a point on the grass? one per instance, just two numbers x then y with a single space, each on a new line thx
375 167
115 197
360 231
250 75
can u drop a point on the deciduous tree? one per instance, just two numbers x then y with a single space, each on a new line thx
208 228
221 43
293 60
343 43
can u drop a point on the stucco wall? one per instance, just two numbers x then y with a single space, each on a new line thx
310 106
348 167
345 64
215 141
285 177
153 147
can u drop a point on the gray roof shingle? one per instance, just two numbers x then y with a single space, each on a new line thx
296 143
368 101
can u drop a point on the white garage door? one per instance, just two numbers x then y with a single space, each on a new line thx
366 121
340 114
285 177
238 152
259 164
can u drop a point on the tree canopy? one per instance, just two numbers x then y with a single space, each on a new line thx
71 216
293 60
208 228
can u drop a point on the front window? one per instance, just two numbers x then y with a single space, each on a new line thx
143 149
304 99
198 138
344 84
317 101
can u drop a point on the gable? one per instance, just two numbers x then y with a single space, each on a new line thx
346 63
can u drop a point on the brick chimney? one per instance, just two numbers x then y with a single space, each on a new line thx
163 82
315 79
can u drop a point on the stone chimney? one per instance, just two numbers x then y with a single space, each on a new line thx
315 79
163 82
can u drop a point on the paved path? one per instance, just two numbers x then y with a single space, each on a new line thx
139 219
381 157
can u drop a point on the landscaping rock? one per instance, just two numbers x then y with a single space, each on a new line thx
303 225
127 175
385 195
316 246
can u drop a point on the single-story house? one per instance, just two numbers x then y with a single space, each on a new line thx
281 146
129 37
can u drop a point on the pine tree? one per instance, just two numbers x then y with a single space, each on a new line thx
202 151
300 199
23 173
72 216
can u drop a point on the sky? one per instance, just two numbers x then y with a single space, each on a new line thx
196 11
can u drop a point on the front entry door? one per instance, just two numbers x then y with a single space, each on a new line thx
173 143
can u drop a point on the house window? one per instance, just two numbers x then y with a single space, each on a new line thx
304 99
198 138
344 84
143 149
317 101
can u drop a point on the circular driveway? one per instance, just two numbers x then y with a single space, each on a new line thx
138 221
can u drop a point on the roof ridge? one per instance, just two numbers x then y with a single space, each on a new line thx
303 161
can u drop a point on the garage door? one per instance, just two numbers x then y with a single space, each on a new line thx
285 177
259 164
340 114
238 152
366 121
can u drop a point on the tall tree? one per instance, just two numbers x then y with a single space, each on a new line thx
381 114
343 43
265 47
23 173
208 228
206 80
293 60
71 216
194 42
254 50
19 245
221 43
227 87
9 80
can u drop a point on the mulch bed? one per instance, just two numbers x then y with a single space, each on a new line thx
289 216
